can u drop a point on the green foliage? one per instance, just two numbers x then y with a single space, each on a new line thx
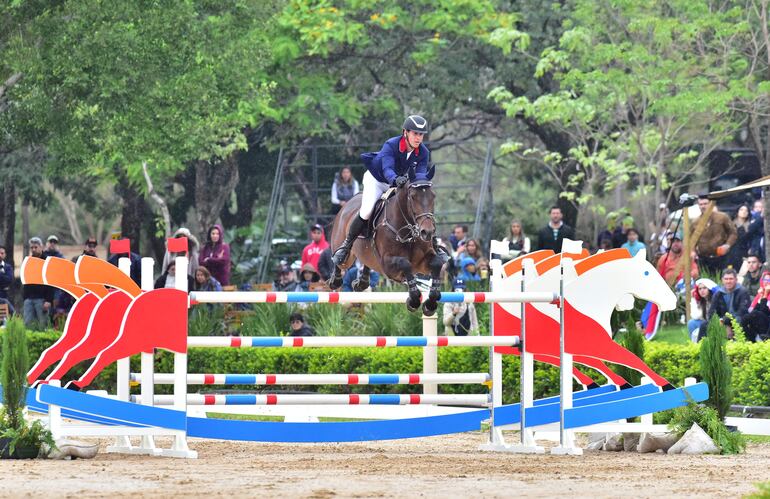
633 341
711 422
13 373
715 367
762 493
206 320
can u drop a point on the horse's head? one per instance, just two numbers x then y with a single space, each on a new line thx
420 199
645 282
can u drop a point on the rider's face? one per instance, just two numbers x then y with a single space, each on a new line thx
414 139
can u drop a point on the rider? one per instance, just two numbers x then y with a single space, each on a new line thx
391 167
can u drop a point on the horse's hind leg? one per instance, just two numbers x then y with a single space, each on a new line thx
362 281
398 265
431 304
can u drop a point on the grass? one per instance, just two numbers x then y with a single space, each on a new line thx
675 333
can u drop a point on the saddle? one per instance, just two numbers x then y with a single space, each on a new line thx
377 214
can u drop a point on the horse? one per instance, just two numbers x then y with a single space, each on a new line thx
399 243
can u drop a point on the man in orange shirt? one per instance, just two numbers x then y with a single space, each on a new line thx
668 263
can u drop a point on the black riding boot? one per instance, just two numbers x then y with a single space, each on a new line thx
342 253
441 252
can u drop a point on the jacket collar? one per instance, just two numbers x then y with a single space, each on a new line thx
402 147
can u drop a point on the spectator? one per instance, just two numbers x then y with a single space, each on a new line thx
605 244
136 265
37 297
307 276
470 249
740 249
612 223
620 235
215 255
731 299
668 264
716 239
699 305
518 242
460 318
52 247
457 238
193 251
168 278
89 249
312 252
325 264
756 323
204 281
482 268
343 188
468 270
6 274
633 244
352 274
551 236
755 234
285 280
298 326
753 273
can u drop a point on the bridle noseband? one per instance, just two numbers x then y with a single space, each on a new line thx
410 232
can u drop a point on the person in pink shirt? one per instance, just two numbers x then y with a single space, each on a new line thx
312 252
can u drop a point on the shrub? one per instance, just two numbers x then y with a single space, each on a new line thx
715 367
711 422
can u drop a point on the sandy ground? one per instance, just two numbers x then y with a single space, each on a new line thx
447 466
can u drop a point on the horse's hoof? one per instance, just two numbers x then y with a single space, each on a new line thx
412 305
359 285
434 295
429 308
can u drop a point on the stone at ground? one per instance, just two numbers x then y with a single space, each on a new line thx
652 442
596 441
614 442
73 449
694 441
630 441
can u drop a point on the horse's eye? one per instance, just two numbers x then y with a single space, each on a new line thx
646 272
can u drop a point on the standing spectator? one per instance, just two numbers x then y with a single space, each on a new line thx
136 265
605 244
298 326
215 255
731 299
699 305
612 223
716 239
470 249
343 188
307 276
551 236
286 280
38 298
518 242
326 264
620 235
740 249
753 273
457 238
668 263
6 274
756 324
633 244
193 251
89 249
312 252
204 281
755 234
169 277
52 247
460 318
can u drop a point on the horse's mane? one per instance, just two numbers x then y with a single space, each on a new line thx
600 259
516 264
553 261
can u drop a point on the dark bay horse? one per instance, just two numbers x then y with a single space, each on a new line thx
399 244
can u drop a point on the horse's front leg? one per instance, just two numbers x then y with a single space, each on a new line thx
399 265
362 281
431 304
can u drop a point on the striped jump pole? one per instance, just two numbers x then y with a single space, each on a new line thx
321 379
197 297
350 399
349 341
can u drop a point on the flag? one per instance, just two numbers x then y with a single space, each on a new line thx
177 244
570 246
650 320
120 246
498 247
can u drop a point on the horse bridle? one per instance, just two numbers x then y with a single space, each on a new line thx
411 230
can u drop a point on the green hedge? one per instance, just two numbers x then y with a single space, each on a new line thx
751 366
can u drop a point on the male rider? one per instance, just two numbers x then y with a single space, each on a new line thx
399 158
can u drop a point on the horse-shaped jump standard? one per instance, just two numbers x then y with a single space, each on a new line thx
399 243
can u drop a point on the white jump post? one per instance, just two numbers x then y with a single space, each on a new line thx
430 354
123 444
147 361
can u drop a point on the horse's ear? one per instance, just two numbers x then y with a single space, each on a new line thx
642 253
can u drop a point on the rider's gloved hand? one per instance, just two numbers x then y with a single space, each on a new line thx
401 180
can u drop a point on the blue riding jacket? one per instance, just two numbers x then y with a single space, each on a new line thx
392 162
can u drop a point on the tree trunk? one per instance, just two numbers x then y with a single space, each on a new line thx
134 212
214 183
8 218
25 227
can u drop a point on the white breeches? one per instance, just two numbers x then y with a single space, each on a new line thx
372 191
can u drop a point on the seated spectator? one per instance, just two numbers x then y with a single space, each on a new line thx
352 274
620 235
605 244
307 276
11 310
468 270
215 255
731 299
298 326
205 282
482 268
168 278
312 252
193 251
344 187
518 242
756 324
699 305
286 280
471 249
753 273
52 247
633 244
6 274
460 318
